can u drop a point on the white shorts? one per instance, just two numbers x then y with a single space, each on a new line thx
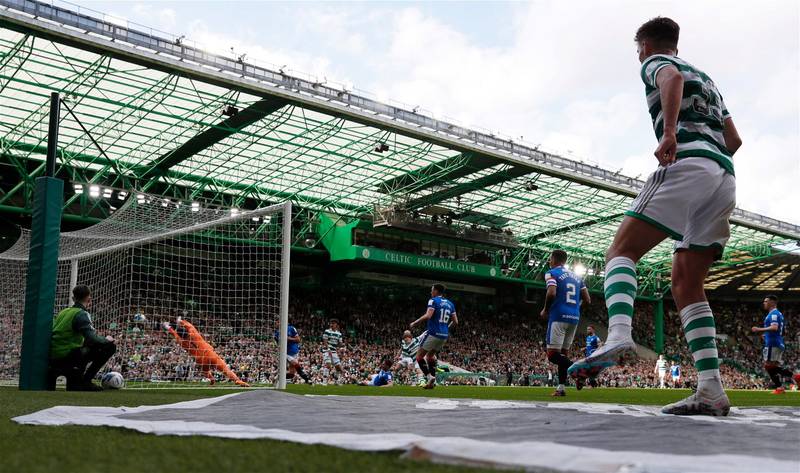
407 362
676 379
773 354
662 375
330 358
291 359
691 201
560 335
431 343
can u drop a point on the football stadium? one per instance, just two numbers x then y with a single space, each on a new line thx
211 265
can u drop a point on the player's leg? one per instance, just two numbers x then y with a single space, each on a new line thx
689 271
337 364
634 238
326 367
207 372
220 364
772 371
97 356
298 368
426 357
556 340
421 353
657 212
290 372
773 357
420 376
430 359
73 366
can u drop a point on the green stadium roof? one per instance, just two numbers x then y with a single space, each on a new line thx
154 104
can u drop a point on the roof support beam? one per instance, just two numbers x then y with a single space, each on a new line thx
569 228
445 170
214 135
467 187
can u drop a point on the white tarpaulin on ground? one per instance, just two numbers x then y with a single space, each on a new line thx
568 437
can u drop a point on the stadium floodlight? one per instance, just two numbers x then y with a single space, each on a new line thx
94 191
234 211
122 194
165 203
256 219
78 188
107 193
580 269
195 206
140 198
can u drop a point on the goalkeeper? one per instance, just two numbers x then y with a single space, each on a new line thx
203 353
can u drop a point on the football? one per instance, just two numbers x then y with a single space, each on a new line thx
112 380
139 319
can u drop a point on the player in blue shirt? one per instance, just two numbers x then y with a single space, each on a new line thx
675 371
292 352
440 315
773 345
562 309
383 378
592 341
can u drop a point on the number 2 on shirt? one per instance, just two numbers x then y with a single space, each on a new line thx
571 291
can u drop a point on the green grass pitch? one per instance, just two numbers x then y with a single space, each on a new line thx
86 449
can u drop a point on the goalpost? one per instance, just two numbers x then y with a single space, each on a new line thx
225 271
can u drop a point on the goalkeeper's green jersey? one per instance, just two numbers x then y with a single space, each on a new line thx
702 113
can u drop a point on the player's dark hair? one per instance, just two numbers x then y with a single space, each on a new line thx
772 297
80 292
661 32
591 327
439 287
560 256
334 321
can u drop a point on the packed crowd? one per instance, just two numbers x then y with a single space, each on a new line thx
504 344
736 343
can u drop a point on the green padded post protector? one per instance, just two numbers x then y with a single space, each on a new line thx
659 323
40 290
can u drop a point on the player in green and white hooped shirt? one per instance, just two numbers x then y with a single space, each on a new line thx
332 339
408 356
688 198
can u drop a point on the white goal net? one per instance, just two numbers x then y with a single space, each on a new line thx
223 272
